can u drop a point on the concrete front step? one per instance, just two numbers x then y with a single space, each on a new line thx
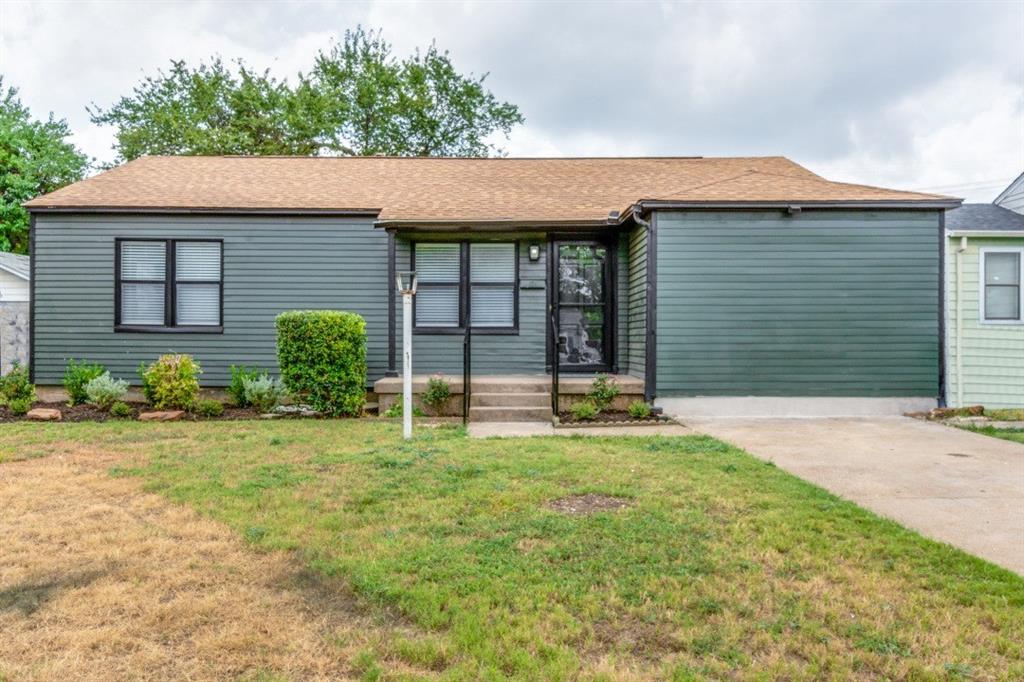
491 399
510 414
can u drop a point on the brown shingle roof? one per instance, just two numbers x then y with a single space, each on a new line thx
451 190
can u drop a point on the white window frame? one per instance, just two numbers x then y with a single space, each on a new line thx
1019 250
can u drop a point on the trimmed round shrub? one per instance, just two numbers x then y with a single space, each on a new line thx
76 376
322 356
172 382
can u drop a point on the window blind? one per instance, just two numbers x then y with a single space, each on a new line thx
438 270
492 269
143 273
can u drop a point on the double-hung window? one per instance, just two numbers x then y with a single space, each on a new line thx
466 280
168 285
1002 272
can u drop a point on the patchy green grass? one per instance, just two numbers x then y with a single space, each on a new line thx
721 566
1010 414
1015 435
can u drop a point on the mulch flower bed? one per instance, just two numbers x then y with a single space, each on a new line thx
88 413
611 418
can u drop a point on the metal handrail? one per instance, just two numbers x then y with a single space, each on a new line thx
467 362
554 364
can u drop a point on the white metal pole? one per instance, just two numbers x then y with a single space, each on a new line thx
407 365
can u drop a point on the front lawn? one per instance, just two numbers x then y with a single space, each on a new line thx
695 560
1014 435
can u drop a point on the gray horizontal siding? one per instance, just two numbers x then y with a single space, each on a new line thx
271 264
636 298
826 303
522 353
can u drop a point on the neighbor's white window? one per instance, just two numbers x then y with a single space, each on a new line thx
168 284
1002 272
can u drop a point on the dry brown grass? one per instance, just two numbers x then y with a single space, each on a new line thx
100 581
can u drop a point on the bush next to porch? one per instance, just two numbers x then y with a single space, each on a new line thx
322 355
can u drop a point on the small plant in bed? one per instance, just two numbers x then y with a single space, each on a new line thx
585 410
638 409
236 388
172 382
437 394
121 410
77 376
16 389
264 393
603 391
209 408
105 390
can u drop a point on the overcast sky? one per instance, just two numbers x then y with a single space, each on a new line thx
911 95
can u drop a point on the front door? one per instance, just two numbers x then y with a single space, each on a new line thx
582 305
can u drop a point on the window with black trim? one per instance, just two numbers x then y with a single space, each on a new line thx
169 285
460 280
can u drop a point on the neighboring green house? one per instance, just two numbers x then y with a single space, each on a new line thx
985 306
722 284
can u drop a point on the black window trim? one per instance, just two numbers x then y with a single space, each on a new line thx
464 285
170 289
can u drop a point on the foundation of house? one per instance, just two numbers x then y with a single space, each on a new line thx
512 398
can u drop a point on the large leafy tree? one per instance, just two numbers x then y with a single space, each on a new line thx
358 99
35 158
210 110
418 106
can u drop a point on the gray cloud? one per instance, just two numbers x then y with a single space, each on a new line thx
905 94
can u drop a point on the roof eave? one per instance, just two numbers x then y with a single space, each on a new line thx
202 210
646 205
495 224
985 233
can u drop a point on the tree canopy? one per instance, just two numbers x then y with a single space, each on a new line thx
35 158
358 99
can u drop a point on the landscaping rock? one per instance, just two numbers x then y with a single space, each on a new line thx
947 412
966 421
296 410
270 415
161 416
43 414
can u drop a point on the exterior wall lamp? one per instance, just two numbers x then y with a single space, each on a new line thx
535 252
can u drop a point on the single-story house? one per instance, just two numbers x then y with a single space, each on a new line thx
985 306
14 310
700 282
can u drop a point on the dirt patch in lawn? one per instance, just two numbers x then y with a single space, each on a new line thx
101 581
581 505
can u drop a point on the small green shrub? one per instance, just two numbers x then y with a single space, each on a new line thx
15 386
396 410
585 410
20 405
603 391
236 389
209 408
172 382
105 390
264 392
322 355
638 409
76 376
121 410
438 392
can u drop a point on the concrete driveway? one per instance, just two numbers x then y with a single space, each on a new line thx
951 485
